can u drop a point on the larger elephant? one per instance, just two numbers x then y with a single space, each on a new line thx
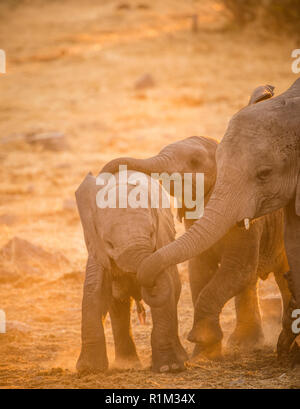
257 172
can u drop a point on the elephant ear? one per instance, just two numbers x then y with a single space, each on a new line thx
261 93
88 212
298 197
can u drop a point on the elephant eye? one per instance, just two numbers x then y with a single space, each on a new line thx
264 173
194 162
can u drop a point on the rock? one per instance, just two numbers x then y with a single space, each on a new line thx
271 308
31 188
145 81
52 141
123 6
8 219
19 257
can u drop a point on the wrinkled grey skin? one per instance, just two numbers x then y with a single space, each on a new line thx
257 172
231 267
117 239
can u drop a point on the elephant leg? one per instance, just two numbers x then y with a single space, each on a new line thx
93 356
125 351
284 290
286 336
181 353
238 269
201 270
248 332
168 355
292 245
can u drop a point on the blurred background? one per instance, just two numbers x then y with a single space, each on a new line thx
89 81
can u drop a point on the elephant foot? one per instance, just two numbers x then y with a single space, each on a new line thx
206 331
246 338
212 352
173 367
92 359
167 362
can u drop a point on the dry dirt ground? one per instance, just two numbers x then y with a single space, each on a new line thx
72 67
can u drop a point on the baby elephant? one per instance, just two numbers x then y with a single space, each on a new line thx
117 240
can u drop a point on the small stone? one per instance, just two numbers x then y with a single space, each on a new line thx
20 256
145 81
52 141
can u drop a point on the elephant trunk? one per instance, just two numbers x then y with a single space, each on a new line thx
155 164
158 295
221 213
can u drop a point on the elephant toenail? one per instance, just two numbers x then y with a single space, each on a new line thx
164 368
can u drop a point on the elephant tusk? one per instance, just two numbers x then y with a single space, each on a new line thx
247 224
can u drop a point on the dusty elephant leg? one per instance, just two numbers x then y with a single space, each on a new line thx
125 351
284 290
93 356
238 269
181 353
286 337
201 269
168 355
248 332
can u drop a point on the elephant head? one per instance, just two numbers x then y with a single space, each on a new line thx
257 172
